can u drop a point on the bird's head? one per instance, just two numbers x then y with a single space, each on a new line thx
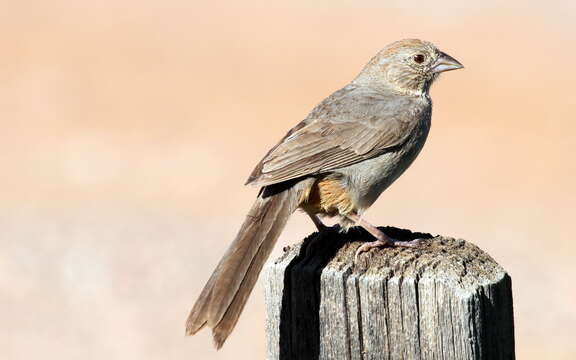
408 66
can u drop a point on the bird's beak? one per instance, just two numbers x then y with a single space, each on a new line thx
445 62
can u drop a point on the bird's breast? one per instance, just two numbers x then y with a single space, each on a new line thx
369 178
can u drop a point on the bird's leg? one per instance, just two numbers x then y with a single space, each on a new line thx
322 229
381 238
319 224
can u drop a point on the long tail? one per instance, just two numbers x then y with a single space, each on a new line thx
227 290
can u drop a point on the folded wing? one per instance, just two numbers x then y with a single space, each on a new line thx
336 139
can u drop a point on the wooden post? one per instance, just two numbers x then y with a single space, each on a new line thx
446 299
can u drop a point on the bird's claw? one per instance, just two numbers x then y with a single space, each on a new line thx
367 246
378 243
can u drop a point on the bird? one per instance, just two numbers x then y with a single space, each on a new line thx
334 163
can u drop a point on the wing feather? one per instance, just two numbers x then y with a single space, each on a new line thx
348 127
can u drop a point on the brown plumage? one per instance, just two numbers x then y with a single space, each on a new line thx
328 197
336 162
225 294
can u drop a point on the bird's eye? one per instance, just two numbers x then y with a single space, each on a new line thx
419 58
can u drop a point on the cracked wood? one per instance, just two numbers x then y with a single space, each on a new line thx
446 299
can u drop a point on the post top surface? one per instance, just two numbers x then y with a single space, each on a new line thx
454 261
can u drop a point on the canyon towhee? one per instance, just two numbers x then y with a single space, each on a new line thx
336 162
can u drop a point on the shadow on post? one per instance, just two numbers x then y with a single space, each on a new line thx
299 317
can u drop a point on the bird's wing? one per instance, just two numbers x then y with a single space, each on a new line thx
339 137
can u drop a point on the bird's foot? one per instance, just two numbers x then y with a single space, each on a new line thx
381 238
334 228
367 246
321 227
383 241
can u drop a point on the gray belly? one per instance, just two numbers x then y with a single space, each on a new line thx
368 179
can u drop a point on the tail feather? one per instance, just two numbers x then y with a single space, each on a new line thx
226 292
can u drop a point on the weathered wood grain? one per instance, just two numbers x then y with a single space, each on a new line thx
446 299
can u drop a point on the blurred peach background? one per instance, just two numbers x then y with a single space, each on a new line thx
129 127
